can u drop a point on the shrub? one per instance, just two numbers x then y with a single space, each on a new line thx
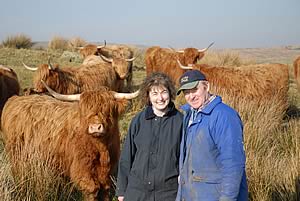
18 41
58 43
76 42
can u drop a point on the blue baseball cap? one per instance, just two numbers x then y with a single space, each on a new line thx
190 80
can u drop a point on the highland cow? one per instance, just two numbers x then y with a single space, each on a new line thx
81 138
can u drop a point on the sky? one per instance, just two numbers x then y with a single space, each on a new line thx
167 23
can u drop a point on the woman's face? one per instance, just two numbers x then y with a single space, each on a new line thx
159 97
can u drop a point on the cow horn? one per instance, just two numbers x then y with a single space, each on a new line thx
126 95
49 64
4 68
184 67
180 51
73 97
132 59
29 68
101 46
203 50
105 58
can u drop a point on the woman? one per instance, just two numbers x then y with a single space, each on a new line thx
148 166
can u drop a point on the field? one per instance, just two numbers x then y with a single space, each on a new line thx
272 148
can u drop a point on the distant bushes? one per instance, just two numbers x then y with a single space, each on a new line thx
20 41
60 43
73 43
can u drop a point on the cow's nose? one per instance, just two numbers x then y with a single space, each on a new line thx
96 128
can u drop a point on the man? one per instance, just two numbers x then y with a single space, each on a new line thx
212 157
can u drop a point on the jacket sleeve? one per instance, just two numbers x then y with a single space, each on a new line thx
229 140
126 160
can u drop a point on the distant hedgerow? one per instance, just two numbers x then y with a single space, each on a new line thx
20 41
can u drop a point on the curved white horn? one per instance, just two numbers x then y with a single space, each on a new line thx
184 67
132 59
74 97
49 63
203 50
105 58
180 51
5 68
126 95
101 46
29 68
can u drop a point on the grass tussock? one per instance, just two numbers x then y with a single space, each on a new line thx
20 41
75 42
58 43
27 177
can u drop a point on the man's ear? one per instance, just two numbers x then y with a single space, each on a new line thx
207 88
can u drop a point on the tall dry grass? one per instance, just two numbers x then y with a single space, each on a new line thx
27 177
17 41
58 43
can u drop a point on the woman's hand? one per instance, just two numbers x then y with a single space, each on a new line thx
120 198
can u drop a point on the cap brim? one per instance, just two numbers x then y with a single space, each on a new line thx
190 85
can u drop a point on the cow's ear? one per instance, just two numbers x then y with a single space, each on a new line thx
121 105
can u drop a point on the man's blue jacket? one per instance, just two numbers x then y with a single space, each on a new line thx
212 157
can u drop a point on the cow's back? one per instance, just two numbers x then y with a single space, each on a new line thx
255 82
98 75
39 119
9 85
163 60
297 71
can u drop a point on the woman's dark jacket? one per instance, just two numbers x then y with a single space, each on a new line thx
148 166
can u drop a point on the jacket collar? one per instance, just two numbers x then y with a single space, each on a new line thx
207 109
149 114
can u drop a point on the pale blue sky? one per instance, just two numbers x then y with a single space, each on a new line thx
176 23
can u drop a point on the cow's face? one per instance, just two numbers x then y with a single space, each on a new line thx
121 67
190 56
50 76
99 113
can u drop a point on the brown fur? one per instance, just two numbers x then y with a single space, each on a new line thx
89 49
164 60
253 82
119 54
59 130
297 71
9 85
70 80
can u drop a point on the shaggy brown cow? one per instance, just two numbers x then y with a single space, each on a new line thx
159 59
80 139
90 49
120 56
254 82
297 71
70 80
9 85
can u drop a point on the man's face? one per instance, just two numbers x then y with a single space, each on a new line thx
198 95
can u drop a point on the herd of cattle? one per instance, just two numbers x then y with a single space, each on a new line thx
78 126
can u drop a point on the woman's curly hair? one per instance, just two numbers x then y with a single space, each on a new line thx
156 79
